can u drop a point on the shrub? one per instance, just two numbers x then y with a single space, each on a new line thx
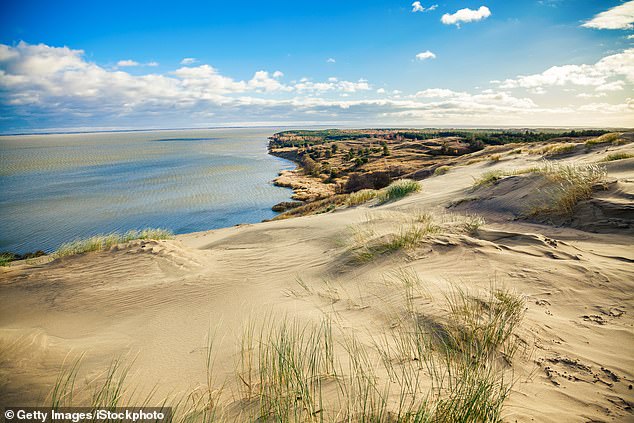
373 180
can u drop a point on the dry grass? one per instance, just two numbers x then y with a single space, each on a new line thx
617 156
103 242
611 137
572 183
316 207
423 368
361 197
404 232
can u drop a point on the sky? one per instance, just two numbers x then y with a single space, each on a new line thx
70 65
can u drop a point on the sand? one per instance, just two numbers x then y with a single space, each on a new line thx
154 302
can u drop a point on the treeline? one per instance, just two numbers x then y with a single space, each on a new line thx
474 137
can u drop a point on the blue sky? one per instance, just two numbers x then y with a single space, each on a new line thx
82 65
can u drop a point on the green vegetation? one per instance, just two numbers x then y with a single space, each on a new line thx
617 156
102 242
398 189
489 178
5 259
441 170
477 138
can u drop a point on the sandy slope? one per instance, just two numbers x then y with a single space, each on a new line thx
156 301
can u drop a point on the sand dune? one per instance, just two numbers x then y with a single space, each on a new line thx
154 302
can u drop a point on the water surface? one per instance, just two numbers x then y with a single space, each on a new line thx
59 187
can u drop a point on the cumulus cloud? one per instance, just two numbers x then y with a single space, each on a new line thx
425 55
152 64
618 17
125 63
620 65
418 7
330 60
41 84
188 61
465 15
278 74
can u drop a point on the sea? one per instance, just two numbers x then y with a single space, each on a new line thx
56 188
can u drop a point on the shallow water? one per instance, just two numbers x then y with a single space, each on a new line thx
59 187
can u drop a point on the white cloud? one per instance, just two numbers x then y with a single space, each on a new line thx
618 17
437 93
465 15
278 74
152 64
188 61
330 60
42 84
620 65
418 7
425 55
611 86
125 63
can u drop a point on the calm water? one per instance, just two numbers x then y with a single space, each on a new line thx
55 188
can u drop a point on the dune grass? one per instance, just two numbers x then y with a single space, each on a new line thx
571 183
610 137
617 156
361 197
454 367
405 232
105 241
398 189
489 178
441 170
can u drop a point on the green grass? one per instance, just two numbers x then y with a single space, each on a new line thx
617 156
489 178
6 258
102 242
441 170
398 189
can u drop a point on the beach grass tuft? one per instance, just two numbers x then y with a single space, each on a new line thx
399 189
105 241
610 137
617 156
